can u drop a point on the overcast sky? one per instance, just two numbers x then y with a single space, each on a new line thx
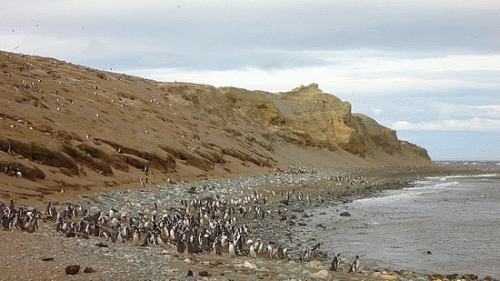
429 69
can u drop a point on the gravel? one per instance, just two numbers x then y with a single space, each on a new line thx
288 196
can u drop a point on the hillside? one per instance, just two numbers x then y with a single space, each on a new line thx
83 130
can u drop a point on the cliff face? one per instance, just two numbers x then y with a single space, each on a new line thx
308 116
68 126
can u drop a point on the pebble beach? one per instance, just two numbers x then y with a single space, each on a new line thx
285 198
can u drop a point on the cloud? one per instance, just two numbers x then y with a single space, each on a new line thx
445 110
473 124
229 34
487 110
377 111
343 73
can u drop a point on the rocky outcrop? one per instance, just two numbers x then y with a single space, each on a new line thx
307 116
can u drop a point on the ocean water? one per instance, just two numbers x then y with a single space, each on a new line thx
456 218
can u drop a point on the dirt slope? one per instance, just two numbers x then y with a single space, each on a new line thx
72 128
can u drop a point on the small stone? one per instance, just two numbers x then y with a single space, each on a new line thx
292 264
306 273
322 274
47 259
203 273
88 270
315 264
388 277
436 277
249 265
72 269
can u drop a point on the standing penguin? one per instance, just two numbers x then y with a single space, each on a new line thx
232 250
355 265
218 247
253 253
180 246
335 263
136 237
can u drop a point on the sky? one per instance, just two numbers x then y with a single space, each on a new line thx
429 69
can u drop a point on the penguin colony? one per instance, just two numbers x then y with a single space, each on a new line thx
195 227
198 226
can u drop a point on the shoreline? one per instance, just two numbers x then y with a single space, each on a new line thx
321 186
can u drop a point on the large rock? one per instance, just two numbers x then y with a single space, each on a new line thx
72 269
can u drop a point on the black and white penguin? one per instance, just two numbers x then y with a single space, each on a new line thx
253 252
218 247
12 206
305 255
335 263
232 250
355 265
136 237
5 221
180 246
190 247
316 247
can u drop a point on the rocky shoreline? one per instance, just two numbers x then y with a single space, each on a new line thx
268 206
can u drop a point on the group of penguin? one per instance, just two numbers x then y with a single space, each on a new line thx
197 226
335 266
20 218
336 262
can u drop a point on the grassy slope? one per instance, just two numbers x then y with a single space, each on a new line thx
83 130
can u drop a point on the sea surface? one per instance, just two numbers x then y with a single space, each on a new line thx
455 218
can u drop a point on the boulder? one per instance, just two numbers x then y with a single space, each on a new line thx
345 214
72 269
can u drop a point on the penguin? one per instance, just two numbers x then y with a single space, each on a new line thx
281 252
146 240
253 253
335 263
218 247
355 265
160 241
180 246
119 237
49 209
12 206
261 248
96 229
315 247
5 219
305 255
190 248
232 250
